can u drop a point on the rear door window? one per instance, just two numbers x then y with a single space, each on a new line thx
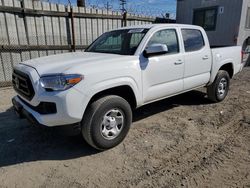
193 40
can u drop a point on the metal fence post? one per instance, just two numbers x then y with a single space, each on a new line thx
73 45
124 19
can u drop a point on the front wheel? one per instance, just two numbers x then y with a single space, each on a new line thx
218 90
106 122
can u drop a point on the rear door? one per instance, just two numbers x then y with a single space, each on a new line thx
197 57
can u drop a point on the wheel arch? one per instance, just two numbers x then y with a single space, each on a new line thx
226 66
124 91
229 68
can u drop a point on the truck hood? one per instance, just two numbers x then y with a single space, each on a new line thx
62 62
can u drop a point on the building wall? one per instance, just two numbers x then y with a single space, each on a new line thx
228 22
244 33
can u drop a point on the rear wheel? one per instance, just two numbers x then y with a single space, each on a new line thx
107 122
218 90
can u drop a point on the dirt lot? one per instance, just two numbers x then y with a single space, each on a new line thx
182 141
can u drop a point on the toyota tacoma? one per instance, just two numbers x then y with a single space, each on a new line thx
120 71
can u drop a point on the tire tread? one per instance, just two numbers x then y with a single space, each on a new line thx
211 89
88 116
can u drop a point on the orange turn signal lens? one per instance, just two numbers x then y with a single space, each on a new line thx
74 80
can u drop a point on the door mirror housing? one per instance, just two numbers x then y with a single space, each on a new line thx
155 49
247 50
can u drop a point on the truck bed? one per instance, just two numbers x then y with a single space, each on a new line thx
226 54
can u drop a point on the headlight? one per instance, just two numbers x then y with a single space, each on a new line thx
60 82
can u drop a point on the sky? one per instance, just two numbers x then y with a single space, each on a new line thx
149 7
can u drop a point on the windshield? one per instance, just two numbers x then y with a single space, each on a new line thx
123 42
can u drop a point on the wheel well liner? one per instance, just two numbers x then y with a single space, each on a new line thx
124 91
229 68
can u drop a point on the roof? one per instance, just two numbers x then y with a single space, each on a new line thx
150 26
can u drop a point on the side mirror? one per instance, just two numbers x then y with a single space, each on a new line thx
155 49
247 50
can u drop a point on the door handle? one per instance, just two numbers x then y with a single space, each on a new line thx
178 62
205 57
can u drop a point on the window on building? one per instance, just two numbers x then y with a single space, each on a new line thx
193 40
206 18
248 18
168 37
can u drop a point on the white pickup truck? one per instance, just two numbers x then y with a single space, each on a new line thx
122 70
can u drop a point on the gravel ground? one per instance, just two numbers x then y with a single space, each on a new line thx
184 141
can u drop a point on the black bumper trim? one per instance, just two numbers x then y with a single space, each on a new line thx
44 108
22 113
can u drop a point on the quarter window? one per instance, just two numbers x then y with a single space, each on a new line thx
193 39
167 37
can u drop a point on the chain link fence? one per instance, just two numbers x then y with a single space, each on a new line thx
31 29
131 6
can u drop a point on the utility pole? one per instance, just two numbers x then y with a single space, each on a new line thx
124 12
123 3
108 6
81 3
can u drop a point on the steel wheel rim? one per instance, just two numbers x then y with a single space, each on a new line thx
222 87
112 124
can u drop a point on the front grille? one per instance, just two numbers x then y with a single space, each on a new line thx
22 84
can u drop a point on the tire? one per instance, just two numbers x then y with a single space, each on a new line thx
106 122
218 90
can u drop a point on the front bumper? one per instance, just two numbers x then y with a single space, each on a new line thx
70 107
62 107
22 113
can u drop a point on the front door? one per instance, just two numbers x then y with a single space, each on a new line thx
163 74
